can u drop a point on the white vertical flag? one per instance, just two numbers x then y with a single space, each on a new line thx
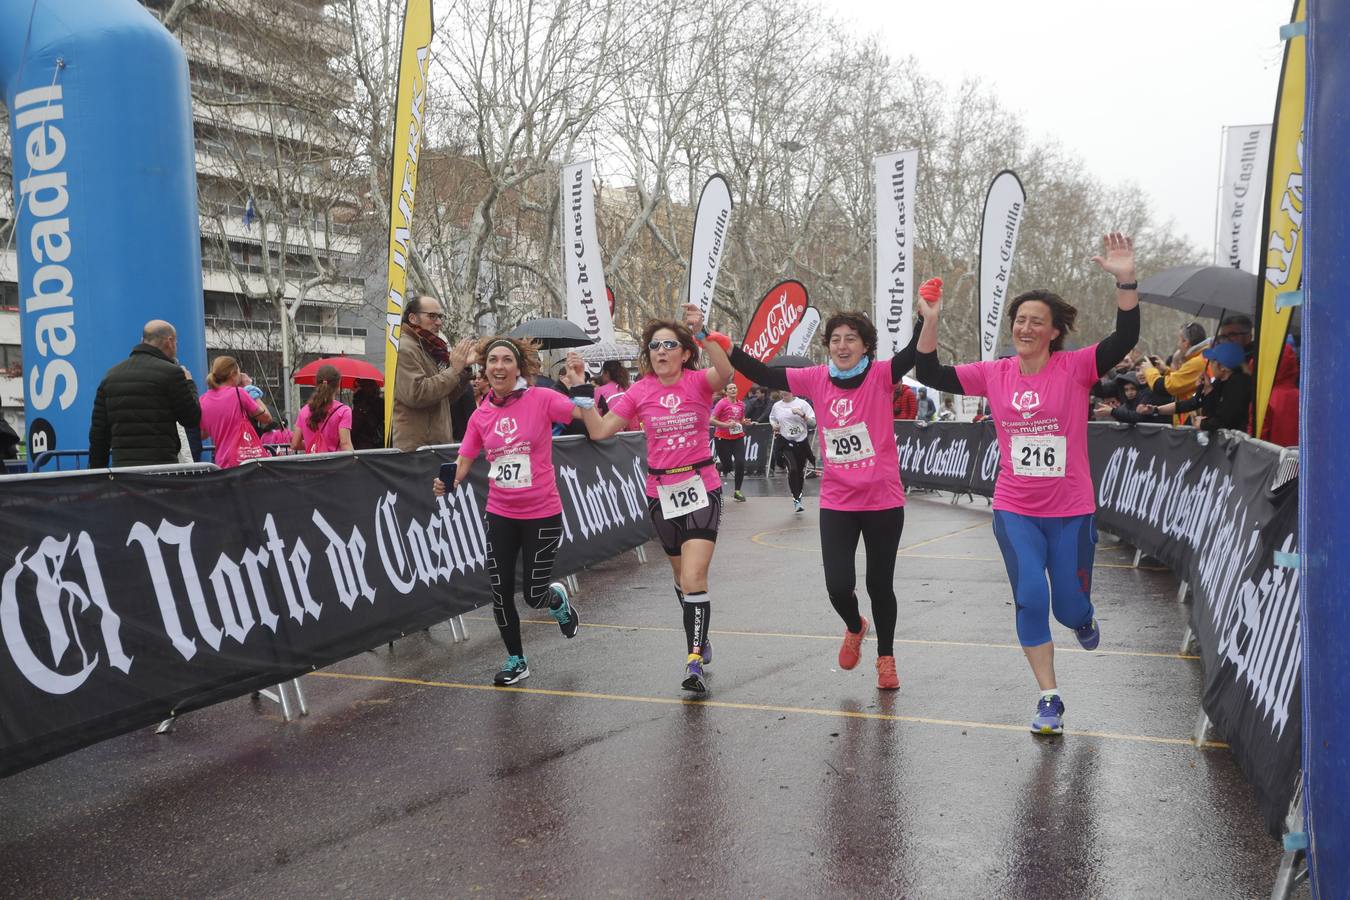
710 239
583 272
1246 157
799 344
998 240
896 177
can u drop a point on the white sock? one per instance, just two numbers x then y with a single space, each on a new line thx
1052 692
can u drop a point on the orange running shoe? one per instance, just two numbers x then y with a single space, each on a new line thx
851 651
887 680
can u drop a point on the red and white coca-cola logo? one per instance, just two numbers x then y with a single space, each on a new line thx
782 317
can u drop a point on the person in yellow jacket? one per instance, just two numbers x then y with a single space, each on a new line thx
1182 380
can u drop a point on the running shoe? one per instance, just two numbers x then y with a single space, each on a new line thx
850 652
693 675
1089 635
1049 716
514 670
564 612
738 497
797 505
887 680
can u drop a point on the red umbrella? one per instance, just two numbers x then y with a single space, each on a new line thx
350 369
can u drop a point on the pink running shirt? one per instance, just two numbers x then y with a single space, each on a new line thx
727 411
1053 403
869 483
675 418
524 426
223 411
326 438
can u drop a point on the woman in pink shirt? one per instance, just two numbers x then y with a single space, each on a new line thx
325 423
673 402
728 418
228 413
513 428
860 491
1044 505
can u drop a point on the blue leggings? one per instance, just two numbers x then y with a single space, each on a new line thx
1033 546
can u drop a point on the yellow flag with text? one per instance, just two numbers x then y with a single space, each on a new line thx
409 109
1282 262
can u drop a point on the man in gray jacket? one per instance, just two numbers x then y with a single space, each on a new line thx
429 375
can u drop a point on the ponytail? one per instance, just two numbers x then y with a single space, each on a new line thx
326 384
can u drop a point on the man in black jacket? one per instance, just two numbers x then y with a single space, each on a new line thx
141 402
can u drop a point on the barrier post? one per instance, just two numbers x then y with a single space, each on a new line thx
1293 869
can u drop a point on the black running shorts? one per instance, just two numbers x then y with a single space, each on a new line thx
699 525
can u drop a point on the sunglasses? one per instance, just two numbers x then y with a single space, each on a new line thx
663 345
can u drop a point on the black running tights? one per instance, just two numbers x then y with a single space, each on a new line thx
508 540
731 457
880 530
795 455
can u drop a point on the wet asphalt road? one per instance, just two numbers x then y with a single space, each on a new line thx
412 778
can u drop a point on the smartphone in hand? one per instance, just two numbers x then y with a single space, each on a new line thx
447 475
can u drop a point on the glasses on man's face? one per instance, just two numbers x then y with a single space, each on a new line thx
662 345
439 317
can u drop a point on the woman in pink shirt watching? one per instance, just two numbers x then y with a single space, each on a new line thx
673 402
1044 505
513 427
325 423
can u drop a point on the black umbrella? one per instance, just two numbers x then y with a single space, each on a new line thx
790 362
1202 291
552 334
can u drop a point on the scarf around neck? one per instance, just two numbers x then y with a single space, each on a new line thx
433 344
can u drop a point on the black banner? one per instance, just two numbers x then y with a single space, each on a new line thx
758 439
129 598
1206 506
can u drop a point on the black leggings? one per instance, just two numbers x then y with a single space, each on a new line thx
880 530
538 540
731 457
795 456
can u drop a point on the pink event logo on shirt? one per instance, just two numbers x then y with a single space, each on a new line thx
1026 402
506 429
671 403
841 409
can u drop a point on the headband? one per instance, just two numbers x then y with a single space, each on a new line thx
505 342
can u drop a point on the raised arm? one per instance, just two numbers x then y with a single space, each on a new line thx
717 346
1117 259
928 369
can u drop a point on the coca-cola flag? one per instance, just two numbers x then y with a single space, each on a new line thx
710 238
805 332
777 315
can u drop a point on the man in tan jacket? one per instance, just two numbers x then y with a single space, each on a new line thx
430 375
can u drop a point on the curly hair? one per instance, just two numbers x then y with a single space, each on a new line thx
859 322
682 334
526 353
1062 314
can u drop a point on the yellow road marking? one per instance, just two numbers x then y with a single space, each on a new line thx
764 707
834 637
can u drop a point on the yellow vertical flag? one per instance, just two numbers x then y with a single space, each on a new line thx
1282 262
409 108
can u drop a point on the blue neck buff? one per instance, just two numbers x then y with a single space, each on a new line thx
861 367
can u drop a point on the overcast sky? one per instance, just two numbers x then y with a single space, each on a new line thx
1139 90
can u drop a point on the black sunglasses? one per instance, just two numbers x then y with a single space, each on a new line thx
662 345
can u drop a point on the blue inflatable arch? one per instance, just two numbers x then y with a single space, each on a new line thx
105 193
